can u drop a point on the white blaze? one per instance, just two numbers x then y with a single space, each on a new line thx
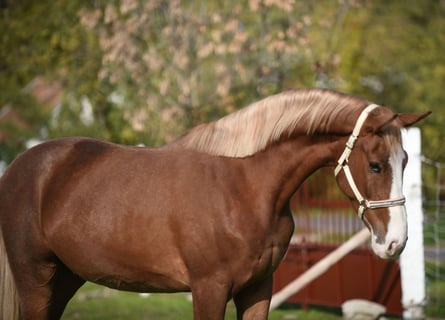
396 235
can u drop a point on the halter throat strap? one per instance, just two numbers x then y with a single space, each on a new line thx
364 204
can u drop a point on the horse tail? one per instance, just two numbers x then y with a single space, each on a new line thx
9 299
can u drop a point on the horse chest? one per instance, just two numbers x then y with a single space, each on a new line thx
266 249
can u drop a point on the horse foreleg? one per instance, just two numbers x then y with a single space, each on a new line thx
253 301
64 285
209 300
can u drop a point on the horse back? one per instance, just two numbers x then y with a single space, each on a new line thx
36 166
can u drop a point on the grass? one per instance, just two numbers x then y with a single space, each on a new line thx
95 303
435 307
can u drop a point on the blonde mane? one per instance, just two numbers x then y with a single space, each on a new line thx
252 129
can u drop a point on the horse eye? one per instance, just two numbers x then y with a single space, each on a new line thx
375 167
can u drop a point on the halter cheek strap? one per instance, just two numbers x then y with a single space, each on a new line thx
364 204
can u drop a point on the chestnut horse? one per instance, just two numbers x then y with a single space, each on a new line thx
208 213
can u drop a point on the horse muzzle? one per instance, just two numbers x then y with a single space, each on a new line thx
392 244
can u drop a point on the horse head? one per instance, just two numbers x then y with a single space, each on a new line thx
370 173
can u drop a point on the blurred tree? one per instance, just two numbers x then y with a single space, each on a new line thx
39 39
169 60
178 63
136 71
392 53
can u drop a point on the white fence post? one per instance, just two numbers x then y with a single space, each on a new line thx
412 265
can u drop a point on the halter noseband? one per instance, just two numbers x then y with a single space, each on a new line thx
364 204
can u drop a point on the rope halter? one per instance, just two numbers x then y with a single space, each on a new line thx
364 204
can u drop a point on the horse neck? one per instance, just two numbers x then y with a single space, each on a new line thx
282 168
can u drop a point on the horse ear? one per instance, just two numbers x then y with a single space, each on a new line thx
377 119
408 119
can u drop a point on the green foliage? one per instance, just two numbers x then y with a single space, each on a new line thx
38 39
398 60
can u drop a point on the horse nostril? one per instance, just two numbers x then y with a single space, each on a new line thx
393 247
